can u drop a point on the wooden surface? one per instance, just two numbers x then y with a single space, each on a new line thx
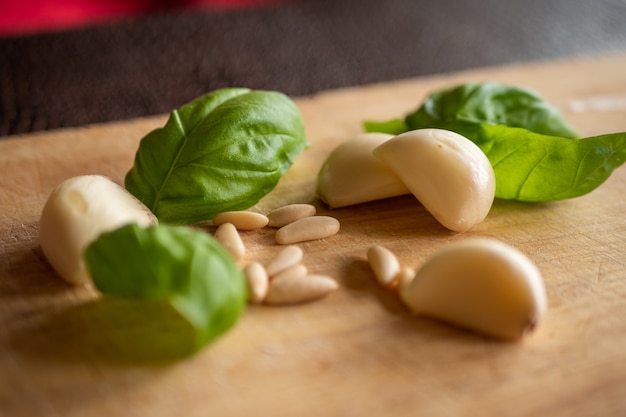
357 352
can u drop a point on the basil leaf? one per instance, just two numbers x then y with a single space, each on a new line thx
182 269
223 151
531 167
488 102
491 103
537 168
527 141
392 127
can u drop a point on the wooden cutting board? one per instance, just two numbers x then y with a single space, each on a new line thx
357 352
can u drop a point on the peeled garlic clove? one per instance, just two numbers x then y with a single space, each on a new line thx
352 175
480 284
446 172
76 213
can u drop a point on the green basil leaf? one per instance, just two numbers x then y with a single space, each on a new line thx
537 168
532 167
527 141
223 151
183 269
491 103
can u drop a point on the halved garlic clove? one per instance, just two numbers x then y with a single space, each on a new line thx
76 213
352 175
446 172
480 284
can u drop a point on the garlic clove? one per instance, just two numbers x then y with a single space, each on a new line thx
446 172
76 213
352 175
480 284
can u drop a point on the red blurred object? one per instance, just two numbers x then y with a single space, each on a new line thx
20 17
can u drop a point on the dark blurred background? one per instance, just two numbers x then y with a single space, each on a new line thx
151 60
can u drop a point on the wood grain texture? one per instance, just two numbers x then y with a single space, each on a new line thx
357 352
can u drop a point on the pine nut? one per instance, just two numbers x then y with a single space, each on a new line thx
404 277
288 214
308 228
294 271
242 220
227 235
258 282
287 257
291 290
384 264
